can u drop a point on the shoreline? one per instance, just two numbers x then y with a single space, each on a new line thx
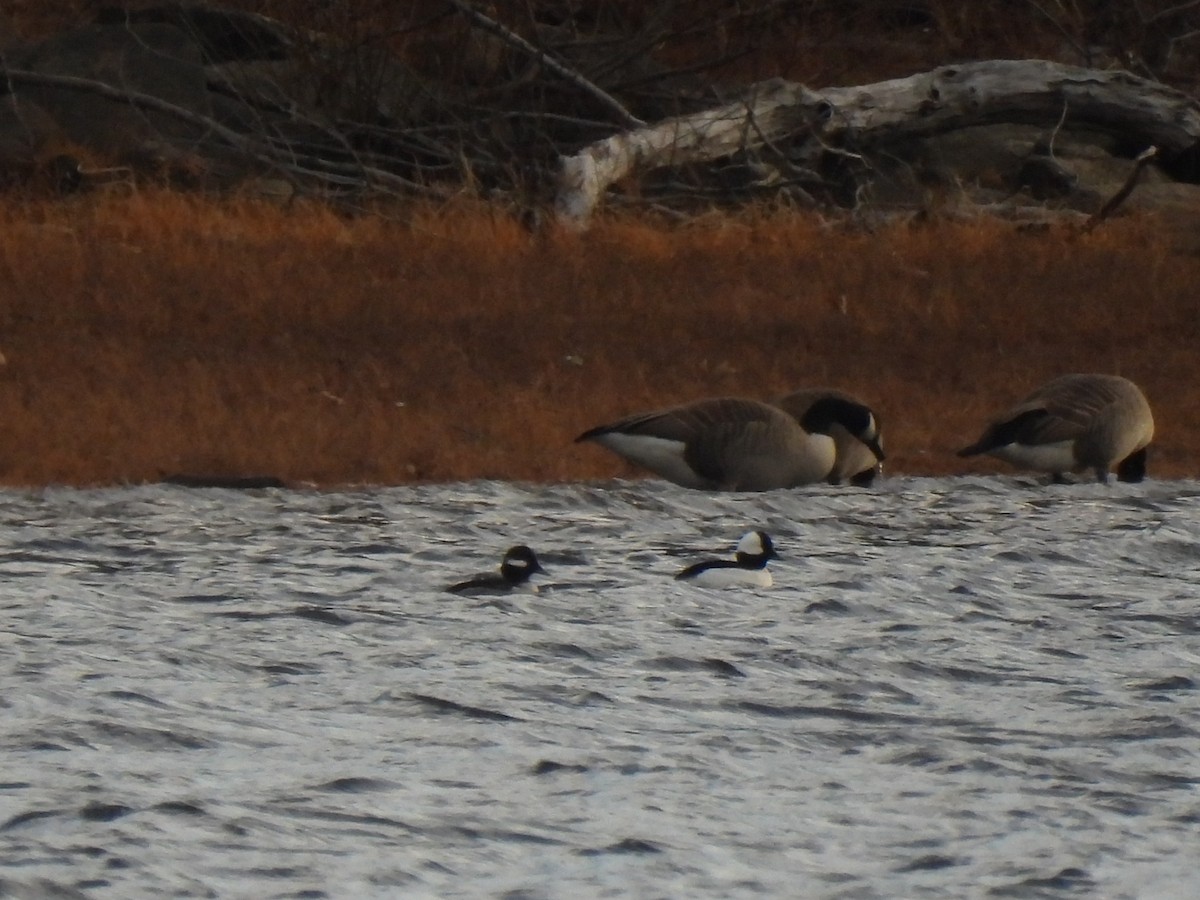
1030 480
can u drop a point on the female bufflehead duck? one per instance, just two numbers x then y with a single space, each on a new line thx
748 569
519 564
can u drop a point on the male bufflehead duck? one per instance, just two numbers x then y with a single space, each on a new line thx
519 564
1074 423
747 569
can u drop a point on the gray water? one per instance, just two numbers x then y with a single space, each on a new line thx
975 687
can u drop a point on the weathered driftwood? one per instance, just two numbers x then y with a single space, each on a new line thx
874 115
768 112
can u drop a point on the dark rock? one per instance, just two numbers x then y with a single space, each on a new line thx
157 60
63 173
221 34
25 128
1045 177
986 164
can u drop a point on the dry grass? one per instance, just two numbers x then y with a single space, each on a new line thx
159 333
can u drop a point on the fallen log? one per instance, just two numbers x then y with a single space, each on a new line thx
854 119
767 112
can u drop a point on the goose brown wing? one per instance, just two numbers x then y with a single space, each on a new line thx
1061 410
1074 404
687 423
1047 424
1069 408
641 423
1031 423
718 451
1080 396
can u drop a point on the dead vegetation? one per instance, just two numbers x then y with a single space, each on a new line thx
159 334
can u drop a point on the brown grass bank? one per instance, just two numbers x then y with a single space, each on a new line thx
158 334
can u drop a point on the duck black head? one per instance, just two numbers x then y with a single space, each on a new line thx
754 549
519 564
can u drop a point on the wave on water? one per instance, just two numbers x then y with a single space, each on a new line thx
956 687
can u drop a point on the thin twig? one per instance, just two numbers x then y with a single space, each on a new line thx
255 148
1054 132
511 37
1139 163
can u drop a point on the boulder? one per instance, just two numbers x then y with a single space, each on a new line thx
25 130
160 61
221 34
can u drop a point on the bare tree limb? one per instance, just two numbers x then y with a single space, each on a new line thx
255 148
1139 164
1168 12
627 118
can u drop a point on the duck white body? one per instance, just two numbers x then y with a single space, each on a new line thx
731 576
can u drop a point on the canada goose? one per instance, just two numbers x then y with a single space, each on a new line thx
748 568
856 461
1073 423
731 444
519 564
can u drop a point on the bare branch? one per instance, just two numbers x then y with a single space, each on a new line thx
1066 35
1166 13
1139 164
254 148
511 37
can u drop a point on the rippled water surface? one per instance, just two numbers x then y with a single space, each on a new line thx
957 688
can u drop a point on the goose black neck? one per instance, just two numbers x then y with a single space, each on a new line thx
830 411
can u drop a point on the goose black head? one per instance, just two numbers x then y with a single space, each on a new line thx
854 417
